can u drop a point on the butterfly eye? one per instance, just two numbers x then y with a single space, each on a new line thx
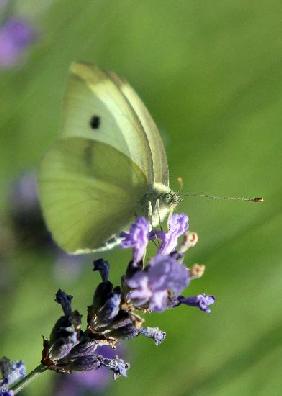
95 122
167 197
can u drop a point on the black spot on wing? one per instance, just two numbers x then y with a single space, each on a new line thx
95 122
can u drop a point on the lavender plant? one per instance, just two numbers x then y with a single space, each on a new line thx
150 284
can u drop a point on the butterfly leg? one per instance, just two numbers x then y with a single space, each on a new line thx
157 209
150 212
150 217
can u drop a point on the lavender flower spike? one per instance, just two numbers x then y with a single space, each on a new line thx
137 238
202 301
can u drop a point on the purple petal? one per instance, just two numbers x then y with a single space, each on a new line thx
158 301
202 301
137 238
167 273
178 225
153 286
153 332
6 392
118 366
10 372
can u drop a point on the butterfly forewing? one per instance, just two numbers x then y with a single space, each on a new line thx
91 93
160 167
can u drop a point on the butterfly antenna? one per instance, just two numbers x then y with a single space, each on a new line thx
217 197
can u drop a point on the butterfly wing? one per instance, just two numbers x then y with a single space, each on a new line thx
91 94
89 191
105 118
157 150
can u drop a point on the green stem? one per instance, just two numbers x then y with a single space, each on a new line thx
27 379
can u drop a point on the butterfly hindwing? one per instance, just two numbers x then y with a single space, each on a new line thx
88 191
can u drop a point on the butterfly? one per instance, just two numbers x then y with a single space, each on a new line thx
107 166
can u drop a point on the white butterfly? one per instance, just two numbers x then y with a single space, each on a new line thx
108 165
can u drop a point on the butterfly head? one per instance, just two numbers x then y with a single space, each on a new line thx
165 204
170 199
158 202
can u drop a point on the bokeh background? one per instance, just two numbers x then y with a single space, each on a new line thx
211 74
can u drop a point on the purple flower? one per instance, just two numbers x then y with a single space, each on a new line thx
11 372
202 301
15 37
137 238
153 332
118 366
84 357
177 226
154 285
77 383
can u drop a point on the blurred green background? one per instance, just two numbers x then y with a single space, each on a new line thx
210 73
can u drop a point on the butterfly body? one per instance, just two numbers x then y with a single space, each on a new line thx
107 166
158 202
